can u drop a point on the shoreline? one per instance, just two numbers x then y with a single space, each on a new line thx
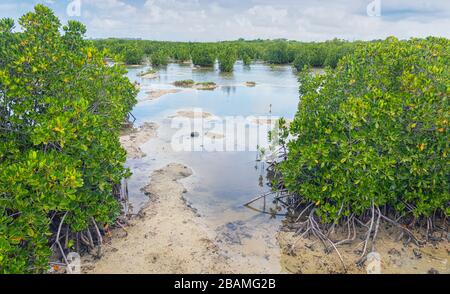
155 94
168 236
308 256
132 138
165 237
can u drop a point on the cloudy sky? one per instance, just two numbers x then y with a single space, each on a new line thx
213 20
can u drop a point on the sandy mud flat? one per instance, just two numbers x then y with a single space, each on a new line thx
205 87
213 135
191 114
132 139
150 76
308 256
169 236
155 94
165 237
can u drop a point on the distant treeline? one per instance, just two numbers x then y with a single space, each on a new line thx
299 54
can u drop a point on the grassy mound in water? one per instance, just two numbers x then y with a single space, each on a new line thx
193 84
371 138
150 71
184 83
206 85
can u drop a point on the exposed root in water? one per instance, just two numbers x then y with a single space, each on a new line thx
303 219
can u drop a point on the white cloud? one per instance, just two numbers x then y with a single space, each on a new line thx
106 23
231 19
268 12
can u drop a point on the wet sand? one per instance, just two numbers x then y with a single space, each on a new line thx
150 75
191 114
396 257
132 139
166 236
155 94
169 236
205 87
213 135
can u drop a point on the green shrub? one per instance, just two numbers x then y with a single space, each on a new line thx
203 55
375 130
132 55
281 51
335 53
149 71
181 54
227 59
302 59
278 53
149 49
246 59
159 58
318 54
184 83
206 84
62 108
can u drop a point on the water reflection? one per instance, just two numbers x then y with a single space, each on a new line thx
229 90
222 181
229 177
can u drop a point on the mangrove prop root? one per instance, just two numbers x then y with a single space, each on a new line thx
259 197
307 224
369 232
86 238
59 243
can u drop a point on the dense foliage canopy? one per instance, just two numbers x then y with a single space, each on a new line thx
159 58
227 59
133 55
61 111
374 131
205 54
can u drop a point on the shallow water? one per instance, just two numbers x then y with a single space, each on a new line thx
277 86
222 181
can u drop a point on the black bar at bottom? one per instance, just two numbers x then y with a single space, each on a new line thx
208 283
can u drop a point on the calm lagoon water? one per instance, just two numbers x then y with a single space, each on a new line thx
277 86
222 181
